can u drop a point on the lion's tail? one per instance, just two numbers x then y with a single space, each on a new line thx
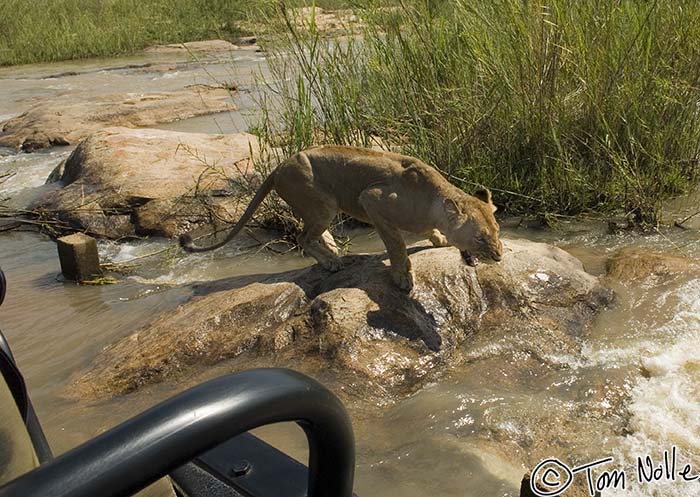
187 243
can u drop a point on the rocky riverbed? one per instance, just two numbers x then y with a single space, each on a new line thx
387 343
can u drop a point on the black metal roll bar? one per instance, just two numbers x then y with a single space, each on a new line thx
149 446
3 286
15 380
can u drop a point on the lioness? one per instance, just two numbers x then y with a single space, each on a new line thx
390 191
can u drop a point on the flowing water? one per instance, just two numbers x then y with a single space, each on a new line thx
450 439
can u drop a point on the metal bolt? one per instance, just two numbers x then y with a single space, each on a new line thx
240 468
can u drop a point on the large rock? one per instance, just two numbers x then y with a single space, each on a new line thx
66 119
123 182
326 22
635 264
374 338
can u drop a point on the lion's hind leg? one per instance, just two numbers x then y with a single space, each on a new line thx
295 184
313 239
328 240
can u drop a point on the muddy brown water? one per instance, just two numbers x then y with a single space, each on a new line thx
438 441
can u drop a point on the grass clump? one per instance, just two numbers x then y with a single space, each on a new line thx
560 107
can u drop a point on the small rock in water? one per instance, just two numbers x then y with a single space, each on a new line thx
246 40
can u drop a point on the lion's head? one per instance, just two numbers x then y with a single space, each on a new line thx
472 226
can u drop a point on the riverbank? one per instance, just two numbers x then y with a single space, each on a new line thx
54 30
559 108
559 111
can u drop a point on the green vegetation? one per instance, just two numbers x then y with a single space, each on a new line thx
51 30
560 107
48 30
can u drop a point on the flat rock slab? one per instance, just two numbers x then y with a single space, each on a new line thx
124 182
65 120
194 47
376 340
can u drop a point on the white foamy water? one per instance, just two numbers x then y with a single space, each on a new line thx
23 171
665 406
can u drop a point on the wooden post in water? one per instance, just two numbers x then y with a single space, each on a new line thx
79 258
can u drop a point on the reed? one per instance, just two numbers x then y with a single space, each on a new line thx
560 107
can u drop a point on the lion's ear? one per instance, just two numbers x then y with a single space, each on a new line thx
484 194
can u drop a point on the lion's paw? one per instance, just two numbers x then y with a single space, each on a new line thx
403 280
438 239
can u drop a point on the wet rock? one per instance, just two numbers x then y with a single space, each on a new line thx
636 264
206 331
209 46
247 40
67 119
327 22
122 182
359 326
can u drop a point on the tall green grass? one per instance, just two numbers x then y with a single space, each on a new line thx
48 30
560 107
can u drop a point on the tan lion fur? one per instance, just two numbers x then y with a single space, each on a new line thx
392 192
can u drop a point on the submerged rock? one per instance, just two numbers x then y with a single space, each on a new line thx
380 342
124 182
635 264
67 119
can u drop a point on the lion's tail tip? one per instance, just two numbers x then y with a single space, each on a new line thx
186 242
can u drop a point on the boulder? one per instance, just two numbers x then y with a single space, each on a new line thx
123 182
635 264
67 119
377 341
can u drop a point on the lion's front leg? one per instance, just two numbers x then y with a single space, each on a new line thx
438 239
400 263
371 201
